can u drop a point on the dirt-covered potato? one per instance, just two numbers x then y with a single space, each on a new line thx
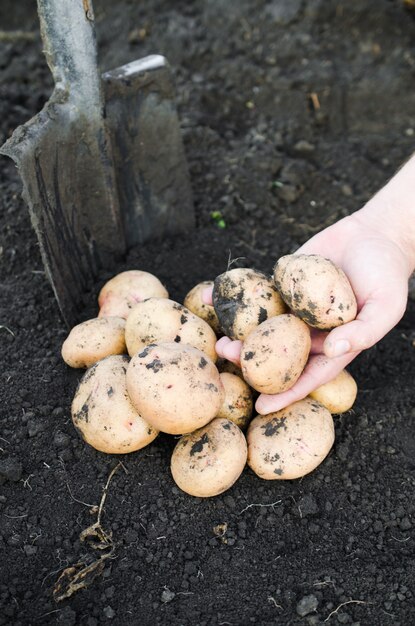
159 319
237 404
103 413
120 294
339 394
93 340
316 290
243 299
290 443
209 461
194 302
175 387
275 353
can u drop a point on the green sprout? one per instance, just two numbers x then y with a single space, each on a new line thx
277 183
218 219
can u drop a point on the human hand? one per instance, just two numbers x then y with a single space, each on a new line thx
378 265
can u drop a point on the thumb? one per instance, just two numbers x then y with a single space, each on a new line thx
376 318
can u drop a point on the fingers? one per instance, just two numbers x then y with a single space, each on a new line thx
230 350
207 295
318 371
377 317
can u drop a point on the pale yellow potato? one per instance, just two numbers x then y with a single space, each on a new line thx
290 443
120 294
210 460
275 353
93 340
237 404
175 387
244 298
194 302
339 394
157 320
316 290
102 411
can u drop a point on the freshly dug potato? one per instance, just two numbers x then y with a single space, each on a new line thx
237 405
290 443
243 299
275 353
103 413
159 319
208 461
93 340
120 294
176 388
316 290
339 394
193 301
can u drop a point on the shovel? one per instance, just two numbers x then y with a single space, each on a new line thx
103 164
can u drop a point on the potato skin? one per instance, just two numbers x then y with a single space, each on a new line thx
316 290
93 340
243 299
209 461
237 404
102 411
120 294
339 394
176 388
290 443
275 353
159 319
193 301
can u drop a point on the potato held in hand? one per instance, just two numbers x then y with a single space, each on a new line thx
339 394
316 290
290 443
210 460
274 354
120 294
93 340
194 302
102 411
244 298
237 404
176 388
157 320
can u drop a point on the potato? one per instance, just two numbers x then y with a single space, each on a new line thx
176 388
237 404
193 301
290 443
120 294
243 299
103 413
316 290
93 340
157 320
210 460
339 394
275 353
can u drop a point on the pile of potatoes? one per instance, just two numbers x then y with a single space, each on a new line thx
152 367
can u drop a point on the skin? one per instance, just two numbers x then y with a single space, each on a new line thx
375 247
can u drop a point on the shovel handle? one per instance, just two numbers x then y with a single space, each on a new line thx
68 34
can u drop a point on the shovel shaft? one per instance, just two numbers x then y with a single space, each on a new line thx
67 29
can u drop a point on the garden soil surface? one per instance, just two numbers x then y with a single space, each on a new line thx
293 115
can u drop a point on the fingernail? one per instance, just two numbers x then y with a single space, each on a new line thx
262 406
342 346
228 351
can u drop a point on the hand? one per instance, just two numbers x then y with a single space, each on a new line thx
378 269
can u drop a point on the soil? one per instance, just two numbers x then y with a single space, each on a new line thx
279 164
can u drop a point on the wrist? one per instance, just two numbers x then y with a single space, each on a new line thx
391 212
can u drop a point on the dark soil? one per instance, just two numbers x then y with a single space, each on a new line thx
278 169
